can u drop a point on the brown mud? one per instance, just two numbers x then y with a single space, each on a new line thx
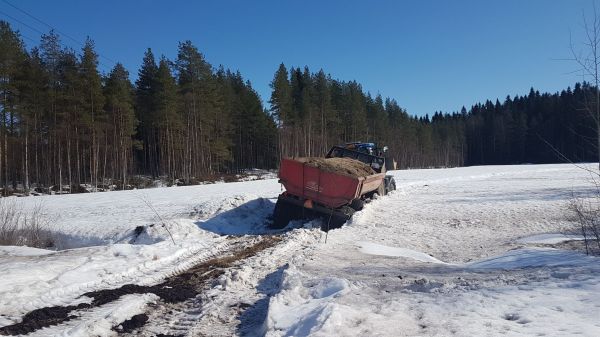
173 290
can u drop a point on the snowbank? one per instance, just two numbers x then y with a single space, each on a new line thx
450 253
144 254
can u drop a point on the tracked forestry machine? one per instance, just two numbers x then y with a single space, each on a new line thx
334 187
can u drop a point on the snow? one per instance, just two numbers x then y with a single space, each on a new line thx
101 250
101 320
550 238
17 251
462 251
238 215
492 283
103 218
257 174
59 278
377 249
528 258
302 309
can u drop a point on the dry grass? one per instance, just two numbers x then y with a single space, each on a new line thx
24 227
587 212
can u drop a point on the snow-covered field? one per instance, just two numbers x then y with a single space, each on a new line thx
465 252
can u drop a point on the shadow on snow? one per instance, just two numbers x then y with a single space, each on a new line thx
250 218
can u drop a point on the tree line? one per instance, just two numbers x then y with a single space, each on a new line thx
63 123
314 111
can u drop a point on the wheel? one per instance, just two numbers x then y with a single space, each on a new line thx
337 219
357 204
391 186
284 213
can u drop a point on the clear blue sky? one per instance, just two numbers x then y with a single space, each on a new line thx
428 55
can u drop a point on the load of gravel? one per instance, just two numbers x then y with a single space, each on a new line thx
344 166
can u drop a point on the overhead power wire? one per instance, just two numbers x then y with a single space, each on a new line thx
21 22
20 33
47 25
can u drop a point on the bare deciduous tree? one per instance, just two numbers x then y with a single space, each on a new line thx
588 59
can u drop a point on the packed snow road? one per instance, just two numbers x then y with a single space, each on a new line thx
466 251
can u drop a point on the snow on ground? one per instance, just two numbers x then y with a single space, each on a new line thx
35 281
103 218
257 174
445 255
550 238
376 249
462 251
100 322
105 251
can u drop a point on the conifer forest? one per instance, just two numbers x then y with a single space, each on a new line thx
64 123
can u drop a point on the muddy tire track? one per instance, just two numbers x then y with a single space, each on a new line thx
176 289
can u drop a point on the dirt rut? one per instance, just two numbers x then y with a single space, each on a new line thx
173 290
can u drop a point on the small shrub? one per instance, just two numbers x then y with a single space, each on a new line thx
587 214
20 227
140 182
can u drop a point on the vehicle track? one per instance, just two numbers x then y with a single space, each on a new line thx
148 273
236 301
182 284
180 318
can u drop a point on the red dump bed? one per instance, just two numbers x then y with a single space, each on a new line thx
327 188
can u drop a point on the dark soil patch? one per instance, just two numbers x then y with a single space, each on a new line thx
175 289
41 318
167 291
344 166
131 324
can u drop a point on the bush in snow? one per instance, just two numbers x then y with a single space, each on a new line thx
588 217
20 227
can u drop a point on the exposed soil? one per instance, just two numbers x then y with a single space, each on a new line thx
132 323
173 290
345 166
41 318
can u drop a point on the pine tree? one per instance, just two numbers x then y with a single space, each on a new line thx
34 94
12 59
51 54
120 113
205 119
281 107
94 118
70 116
168 120
324 109
146 111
